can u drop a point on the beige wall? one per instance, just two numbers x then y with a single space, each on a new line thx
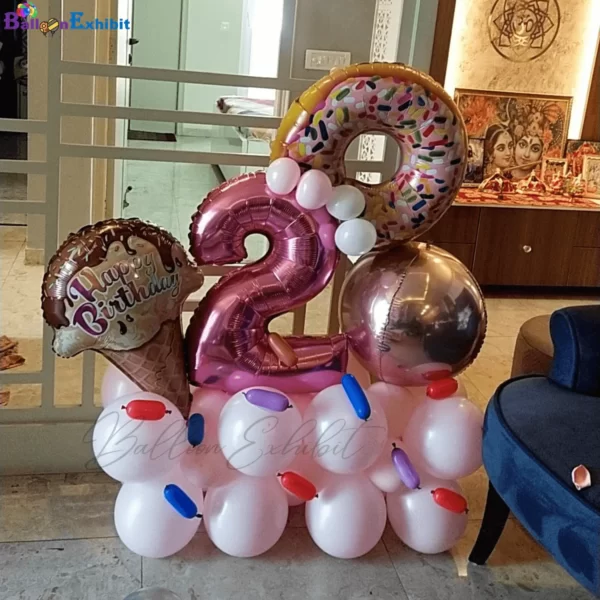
564 69
343 25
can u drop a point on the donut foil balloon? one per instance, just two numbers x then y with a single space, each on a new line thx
118 288
385 98
413 313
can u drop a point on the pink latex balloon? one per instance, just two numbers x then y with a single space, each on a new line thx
420 522
246 516
398 404
133 449
340 441
446 435
145 521
227 340
348 517
314 190
302 401
116 384
283 175
257 440
382 473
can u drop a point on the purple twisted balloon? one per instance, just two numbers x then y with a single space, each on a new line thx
227 339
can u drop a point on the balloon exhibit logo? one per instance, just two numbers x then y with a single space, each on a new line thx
25 17
27 10
233 424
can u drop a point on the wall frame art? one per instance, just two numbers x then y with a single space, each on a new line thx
474 172
576 152
551 167
517 129
591 176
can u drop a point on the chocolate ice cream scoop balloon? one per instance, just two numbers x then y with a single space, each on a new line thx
118 287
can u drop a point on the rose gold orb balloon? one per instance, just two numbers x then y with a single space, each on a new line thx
413 313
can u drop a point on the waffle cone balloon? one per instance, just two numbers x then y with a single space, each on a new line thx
118 287
413 313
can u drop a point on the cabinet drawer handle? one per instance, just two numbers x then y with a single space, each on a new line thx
527 249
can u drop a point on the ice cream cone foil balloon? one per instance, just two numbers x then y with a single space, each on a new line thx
118 287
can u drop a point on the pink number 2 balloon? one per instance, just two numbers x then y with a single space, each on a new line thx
228 343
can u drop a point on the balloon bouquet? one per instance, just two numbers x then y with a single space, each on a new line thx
274 421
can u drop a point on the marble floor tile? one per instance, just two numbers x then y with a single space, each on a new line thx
12 243
488 372
36 508
519 569
506 322
101 569
12 234
295 569
13 186
473 392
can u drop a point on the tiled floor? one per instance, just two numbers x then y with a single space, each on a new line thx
57 539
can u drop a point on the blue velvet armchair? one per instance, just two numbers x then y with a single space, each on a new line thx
536 430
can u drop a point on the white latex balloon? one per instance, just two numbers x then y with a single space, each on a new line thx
347 202
341 442
348 517
116 384
148 524
446 435
422 524
355 237
255 440
205 465
134 450
283 175
314 190
246 516
398 404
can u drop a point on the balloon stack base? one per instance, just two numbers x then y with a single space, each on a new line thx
355 457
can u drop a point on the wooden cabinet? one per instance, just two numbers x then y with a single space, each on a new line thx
464 252
588 230
584 268
524 247
458 225
521 246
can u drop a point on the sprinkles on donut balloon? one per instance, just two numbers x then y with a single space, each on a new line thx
373 98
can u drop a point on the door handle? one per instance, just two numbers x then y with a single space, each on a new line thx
133 41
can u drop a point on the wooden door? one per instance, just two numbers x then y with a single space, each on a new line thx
524 246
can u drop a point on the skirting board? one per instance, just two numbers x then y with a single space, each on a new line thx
46 448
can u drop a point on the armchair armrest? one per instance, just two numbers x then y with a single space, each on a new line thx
575 333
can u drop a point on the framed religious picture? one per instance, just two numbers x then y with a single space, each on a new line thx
553 168
474 172
591 176
517 129
577 150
